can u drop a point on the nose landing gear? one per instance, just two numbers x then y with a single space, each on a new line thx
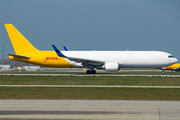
163 72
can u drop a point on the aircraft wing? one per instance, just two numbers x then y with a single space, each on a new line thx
18 56
84 61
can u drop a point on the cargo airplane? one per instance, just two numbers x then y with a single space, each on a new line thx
173 67
106 60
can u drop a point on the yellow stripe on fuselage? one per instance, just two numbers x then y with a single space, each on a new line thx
44 58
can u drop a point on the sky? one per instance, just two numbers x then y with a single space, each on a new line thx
120 25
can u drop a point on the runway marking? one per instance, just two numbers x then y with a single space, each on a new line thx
88 106
27 116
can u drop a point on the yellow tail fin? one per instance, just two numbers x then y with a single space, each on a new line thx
19 42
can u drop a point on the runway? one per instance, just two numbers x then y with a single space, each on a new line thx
80 74
88 109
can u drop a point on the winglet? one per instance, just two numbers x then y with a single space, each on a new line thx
58 52
65 48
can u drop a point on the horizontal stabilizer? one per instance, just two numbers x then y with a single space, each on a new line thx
18 56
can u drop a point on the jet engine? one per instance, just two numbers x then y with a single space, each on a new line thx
111 66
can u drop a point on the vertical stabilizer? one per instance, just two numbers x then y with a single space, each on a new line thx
19 42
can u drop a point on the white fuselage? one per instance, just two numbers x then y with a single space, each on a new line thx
126 59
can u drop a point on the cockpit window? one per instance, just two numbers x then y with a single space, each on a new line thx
170 56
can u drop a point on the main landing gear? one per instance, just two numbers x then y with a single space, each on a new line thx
91 72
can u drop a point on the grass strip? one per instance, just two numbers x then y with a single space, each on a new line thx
90 93
89 80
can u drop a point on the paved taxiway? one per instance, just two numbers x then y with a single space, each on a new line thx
89 109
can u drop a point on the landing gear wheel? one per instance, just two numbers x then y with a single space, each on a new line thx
93 72
163 72
90 72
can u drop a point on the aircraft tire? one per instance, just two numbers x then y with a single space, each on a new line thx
93 72
88 72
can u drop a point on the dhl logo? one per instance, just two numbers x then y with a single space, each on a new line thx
52 58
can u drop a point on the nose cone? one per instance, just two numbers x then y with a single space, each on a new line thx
174 60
